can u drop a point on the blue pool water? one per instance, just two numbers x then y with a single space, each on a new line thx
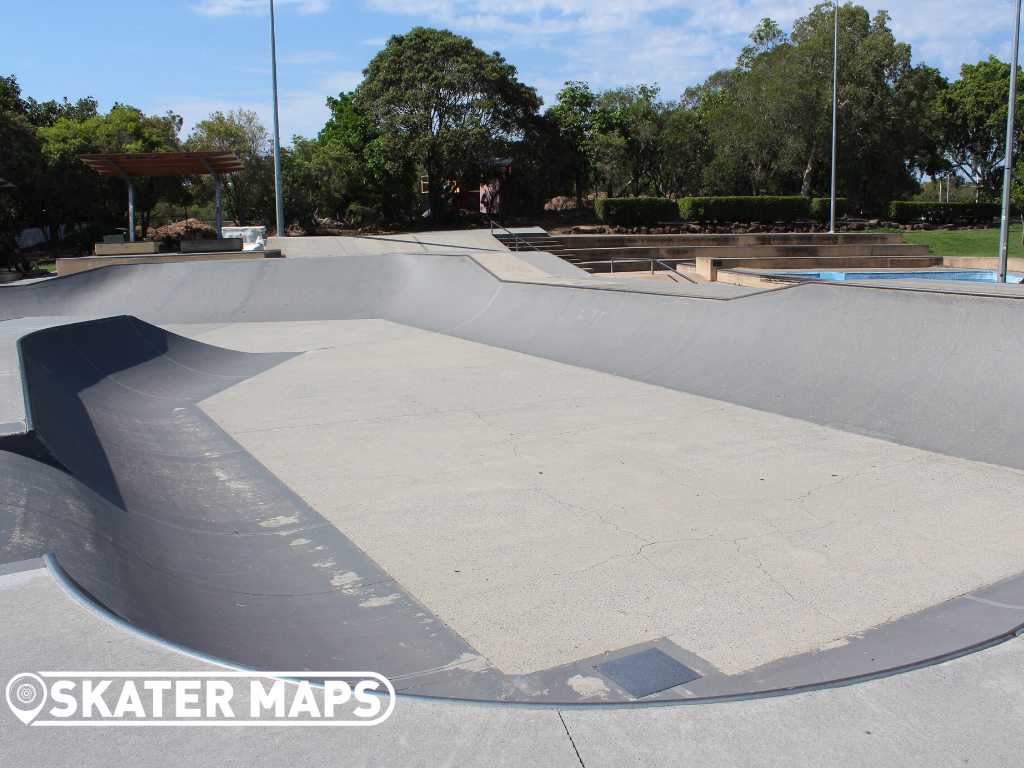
987 276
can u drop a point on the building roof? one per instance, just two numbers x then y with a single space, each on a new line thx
5 184
163 163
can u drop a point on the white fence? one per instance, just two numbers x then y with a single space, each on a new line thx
34 236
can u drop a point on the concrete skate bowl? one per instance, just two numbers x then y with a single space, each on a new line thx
165 520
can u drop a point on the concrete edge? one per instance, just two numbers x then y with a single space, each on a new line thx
75 593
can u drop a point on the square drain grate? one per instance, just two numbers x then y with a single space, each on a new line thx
647 672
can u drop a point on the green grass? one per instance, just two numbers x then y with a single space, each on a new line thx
973 242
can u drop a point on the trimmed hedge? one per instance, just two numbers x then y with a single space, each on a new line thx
943 213
630 211
821 208
763 208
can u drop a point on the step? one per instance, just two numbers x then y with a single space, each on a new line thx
751 251
539 242
795 262
573 242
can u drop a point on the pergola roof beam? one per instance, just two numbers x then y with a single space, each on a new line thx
120 173
164 163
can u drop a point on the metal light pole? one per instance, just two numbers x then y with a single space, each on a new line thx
835 99
278 194
1004 227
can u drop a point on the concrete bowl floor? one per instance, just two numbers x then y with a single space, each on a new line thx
550 513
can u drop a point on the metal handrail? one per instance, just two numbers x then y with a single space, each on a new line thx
611 263
611 259
515 236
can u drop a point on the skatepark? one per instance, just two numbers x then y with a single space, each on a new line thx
496 478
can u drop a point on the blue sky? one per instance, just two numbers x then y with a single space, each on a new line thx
196 56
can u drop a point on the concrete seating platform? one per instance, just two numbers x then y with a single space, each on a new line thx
69 266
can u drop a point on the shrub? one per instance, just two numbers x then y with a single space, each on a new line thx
763 208
821 208
192 229
630 211
942 213
360 214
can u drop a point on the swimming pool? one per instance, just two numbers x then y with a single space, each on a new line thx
983 275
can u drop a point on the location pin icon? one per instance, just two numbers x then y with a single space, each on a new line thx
26 695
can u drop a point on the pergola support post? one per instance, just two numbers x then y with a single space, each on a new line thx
131 197
217 185
131 210
220 221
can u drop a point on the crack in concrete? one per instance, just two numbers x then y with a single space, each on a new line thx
760 566
571 740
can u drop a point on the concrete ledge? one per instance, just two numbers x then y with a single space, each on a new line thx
706 268
81 264
126 249
223 245
448 242
732 251
752 279
981 262
572 242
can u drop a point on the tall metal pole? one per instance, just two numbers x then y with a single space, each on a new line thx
1004 227
278 193
835 101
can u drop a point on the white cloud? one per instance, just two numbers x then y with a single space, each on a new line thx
334 83
308 57
679 43
231 7
303 111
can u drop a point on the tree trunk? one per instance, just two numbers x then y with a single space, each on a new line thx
812 163
52 230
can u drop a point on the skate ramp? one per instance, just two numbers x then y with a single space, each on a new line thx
925 368
166 521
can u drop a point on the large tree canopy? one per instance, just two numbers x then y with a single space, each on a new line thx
973 122
774 111
379 178
432 104
437 98
249 193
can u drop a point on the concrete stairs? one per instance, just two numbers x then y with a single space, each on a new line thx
706 254
538 241
845 250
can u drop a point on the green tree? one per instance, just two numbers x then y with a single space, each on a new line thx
248 194
18 152
318 178
574 117
972 114
377 178
774 112
683 151
69 192
439 100
887 120
630 121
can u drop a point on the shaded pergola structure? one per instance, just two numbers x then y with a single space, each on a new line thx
132 165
